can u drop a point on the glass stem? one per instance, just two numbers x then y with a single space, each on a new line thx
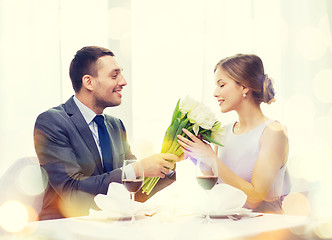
133 207
207 216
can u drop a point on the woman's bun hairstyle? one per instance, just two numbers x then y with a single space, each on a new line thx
248 70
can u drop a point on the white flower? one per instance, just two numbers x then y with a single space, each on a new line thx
199 116
202 117
188 104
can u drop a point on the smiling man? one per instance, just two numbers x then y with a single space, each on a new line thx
82 149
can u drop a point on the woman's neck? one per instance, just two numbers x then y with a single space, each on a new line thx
249 118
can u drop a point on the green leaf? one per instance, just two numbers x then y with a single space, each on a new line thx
183 124
168 139
211 140
176 111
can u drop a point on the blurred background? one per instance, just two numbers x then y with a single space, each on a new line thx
168 50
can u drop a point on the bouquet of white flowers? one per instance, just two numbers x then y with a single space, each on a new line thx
196 118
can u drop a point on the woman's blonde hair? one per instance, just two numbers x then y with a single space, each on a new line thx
248 70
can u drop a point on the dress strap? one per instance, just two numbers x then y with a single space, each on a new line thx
269 121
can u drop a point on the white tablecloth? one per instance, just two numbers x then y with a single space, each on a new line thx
147 228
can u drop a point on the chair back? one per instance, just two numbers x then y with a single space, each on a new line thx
24 181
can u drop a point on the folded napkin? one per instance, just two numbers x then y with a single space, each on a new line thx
221 199
117 204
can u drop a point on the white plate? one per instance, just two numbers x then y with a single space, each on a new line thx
117 216
243 212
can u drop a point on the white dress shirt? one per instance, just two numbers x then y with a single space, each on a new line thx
89 115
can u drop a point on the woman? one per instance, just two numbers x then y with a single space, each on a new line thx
255 150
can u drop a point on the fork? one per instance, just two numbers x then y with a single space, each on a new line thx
235 217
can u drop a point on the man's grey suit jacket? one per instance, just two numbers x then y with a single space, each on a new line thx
69 155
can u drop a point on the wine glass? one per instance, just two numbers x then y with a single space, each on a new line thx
207 176
132 178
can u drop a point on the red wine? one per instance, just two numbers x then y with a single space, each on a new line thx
133 185
207 182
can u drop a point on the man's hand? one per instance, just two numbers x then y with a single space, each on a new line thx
158 165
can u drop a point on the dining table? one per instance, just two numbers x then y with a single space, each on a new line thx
255 226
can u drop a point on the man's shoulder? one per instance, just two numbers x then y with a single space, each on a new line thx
50 121
52 112
59 111
56 116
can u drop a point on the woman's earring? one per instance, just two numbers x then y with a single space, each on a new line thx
244 95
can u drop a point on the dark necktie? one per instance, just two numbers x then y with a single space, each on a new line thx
105 143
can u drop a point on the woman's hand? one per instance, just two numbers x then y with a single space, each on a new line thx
195 148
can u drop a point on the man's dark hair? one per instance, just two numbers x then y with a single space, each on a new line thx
85 62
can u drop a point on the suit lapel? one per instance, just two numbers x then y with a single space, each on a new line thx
84 130
113 142
116 143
